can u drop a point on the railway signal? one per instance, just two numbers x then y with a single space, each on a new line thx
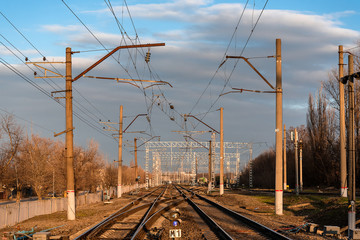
175 224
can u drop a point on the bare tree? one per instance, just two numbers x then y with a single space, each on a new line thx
11 135
36 157
322 139
88 167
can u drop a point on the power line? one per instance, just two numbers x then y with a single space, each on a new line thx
133 62
44 79
223 58
245 45
25 120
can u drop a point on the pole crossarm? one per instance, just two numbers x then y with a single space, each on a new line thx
112 52
248 62
142 114
110 127
57 75
129 80
196 142
65 131
188 115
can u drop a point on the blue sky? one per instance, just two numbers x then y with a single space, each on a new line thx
197 34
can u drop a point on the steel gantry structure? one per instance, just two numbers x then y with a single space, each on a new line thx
177 160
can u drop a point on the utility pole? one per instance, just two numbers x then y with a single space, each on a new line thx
284 157
70 185
296 163
300 165
351 197
119 187
135 157
136 165
221 152
210 170
279 134
343 172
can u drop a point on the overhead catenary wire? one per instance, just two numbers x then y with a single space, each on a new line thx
223 58
142 89
85 111
37 86
233 69
24 77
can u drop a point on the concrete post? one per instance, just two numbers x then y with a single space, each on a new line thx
221 152
279 134
284 157
351 197
119 187
69 139
343 172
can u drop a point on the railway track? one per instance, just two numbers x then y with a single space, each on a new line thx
145 216
225 223
133 220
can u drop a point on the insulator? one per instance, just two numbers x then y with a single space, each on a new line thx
44 58
147 57
26 59
35 73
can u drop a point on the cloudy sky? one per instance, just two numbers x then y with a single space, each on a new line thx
198 34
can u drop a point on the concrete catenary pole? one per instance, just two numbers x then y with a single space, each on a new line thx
301 165
296 163
119 186
221 152
210 170
343 172
135 157
279 134
69 139
136 165
284 157
351 197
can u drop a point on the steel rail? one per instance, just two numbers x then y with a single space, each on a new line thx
93 235
148 212
112 216
145 227
219 232
255 225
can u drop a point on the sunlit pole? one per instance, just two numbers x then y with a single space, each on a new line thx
279 134
284 159
119 189
351 196
221 152
70 185
343 172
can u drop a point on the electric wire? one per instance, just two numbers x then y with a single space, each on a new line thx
41 70
24 77
223 58
232 71
146 97
33 83
25 120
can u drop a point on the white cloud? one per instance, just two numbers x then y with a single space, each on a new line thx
196 34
